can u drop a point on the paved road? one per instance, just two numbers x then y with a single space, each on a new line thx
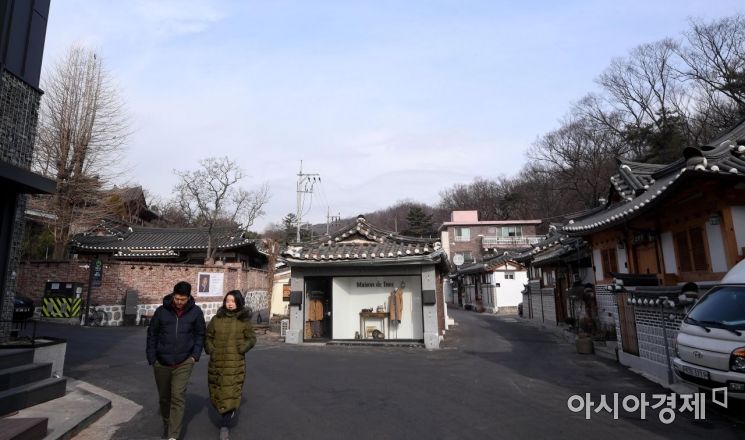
495 378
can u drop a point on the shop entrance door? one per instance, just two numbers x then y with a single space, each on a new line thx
318 308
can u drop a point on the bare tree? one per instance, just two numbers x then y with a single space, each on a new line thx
715 62
82 131
580 156
481 195
210 197
648 92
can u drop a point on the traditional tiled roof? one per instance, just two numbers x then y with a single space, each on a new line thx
633 178
489 265
556 246
643 186
138 241
365 243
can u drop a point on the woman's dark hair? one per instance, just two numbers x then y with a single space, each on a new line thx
238 297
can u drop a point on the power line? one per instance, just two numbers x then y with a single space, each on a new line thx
305 183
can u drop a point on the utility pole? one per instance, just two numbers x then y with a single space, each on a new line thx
305 184
331 220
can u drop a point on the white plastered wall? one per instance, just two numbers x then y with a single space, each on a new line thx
597 262
668 252
349 299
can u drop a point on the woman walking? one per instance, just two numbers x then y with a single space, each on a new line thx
229 337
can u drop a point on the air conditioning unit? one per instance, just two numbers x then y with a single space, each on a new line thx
284 325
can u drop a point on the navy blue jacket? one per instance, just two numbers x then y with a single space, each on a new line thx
172 339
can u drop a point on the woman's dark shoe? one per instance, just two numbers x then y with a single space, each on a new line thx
224 433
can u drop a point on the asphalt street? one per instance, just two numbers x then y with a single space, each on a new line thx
495 377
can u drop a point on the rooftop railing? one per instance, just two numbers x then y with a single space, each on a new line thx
524 240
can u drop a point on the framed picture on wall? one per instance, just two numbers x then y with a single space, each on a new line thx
209 284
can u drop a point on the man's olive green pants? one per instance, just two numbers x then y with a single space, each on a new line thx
171 382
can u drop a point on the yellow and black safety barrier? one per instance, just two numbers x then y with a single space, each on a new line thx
61 307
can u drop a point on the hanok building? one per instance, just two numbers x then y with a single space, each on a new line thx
148 262
682 222
366 283
555 266
665 226
494 285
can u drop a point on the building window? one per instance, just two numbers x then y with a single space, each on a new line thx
691 250
509 275
462 234
610 261
512 231
548 278
467 256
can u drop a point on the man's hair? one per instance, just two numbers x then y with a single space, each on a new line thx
182 288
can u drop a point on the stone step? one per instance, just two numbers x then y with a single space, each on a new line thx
24 374
14 357
31 394
23 428
69 414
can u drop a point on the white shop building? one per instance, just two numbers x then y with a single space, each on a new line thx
366 283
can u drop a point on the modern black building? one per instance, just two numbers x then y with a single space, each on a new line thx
23 25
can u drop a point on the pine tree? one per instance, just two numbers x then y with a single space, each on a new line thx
420 223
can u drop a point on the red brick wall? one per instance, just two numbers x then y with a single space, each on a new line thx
151 280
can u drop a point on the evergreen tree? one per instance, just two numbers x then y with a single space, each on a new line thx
420 223
289 226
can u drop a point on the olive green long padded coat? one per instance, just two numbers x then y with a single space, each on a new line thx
229 337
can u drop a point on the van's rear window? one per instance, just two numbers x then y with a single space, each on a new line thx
725 305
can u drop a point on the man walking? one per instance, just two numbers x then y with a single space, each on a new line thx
175 339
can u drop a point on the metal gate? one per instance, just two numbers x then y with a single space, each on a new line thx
61 307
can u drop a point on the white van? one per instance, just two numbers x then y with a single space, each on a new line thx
710 349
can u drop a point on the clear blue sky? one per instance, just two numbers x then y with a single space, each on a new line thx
387 100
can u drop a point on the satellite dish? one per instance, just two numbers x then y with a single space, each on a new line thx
458 259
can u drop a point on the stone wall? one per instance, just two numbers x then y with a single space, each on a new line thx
607 308
549 305
650 334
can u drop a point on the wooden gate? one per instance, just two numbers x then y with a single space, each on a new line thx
626 320
561 300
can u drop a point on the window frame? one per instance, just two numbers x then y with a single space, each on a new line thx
460 237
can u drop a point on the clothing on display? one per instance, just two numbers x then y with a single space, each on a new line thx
315 310
396 305
316 314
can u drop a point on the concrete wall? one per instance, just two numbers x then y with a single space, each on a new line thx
509 293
